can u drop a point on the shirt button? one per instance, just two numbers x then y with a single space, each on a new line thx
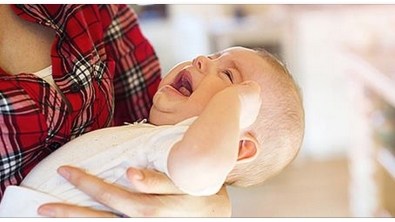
54 146
75 88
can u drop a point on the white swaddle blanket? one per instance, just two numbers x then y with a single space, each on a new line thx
106 153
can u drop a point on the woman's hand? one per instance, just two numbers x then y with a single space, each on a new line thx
158 197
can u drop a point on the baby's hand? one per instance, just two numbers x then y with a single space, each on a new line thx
250 99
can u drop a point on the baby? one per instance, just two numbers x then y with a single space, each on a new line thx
234 117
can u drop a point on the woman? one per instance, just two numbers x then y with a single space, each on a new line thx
69 69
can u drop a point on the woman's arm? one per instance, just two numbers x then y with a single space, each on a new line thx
132 204
210 147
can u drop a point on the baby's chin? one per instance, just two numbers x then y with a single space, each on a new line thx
160 118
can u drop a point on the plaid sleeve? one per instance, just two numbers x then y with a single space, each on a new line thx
137 70
91 42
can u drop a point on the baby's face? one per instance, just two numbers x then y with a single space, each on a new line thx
187 89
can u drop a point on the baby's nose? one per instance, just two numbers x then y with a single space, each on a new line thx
200 62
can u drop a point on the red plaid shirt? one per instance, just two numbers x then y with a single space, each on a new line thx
101 62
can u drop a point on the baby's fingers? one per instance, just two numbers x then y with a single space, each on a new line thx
250 98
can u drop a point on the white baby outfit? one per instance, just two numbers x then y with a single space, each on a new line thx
106 153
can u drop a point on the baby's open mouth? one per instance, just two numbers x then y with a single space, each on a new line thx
183 84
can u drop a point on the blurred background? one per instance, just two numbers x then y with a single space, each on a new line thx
343 57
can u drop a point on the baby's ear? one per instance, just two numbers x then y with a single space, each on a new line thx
248 148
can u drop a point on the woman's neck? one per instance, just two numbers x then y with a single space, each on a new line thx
25 46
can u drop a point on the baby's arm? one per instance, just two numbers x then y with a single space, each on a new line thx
209 148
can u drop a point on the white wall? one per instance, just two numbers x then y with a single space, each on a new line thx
323 84
320 38
183 35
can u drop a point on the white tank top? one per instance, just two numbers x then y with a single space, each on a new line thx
46 74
